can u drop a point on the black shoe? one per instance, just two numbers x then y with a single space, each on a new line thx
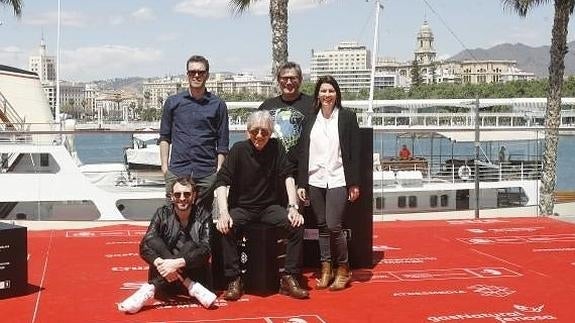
235 290
290 286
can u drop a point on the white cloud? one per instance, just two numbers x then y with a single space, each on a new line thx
204 8
166 37
107 61
221 8
67 18
143 14
13 56
116 20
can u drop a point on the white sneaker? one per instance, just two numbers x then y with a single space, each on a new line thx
202 294
135 302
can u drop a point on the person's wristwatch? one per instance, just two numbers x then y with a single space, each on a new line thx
295 206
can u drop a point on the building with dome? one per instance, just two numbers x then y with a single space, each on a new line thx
350 64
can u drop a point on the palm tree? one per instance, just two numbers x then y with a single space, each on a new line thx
279 24
563 10
15 4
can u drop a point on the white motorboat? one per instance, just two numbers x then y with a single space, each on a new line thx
403 189
145 151
41 177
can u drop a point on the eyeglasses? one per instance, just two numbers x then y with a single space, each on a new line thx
197 72
254 132
285 79
179 194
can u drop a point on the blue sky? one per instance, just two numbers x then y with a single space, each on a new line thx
105 39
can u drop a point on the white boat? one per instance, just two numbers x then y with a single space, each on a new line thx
41 177
404 189
145 151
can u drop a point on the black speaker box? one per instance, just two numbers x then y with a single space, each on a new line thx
13 260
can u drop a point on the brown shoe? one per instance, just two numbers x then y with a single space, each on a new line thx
235 290
326 275
290 286
342 278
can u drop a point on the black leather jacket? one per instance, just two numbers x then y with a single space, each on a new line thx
166 226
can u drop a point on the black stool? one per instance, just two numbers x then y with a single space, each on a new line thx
13 260
262 254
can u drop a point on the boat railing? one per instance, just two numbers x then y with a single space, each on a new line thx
389 171
9 117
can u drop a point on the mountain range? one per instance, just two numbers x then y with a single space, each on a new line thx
529 59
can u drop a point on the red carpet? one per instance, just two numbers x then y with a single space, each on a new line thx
504 270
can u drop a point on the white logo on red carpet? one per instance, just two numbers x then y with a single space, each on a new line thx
496 230
129 268
410 260
429 293
435 274
491 290
566 237
519 313
480 221
122 255
384 248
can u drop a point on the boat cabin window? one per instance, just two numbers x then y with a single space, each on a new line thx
44 160
444 200
413 201
433 200
24 163
379 202
401 201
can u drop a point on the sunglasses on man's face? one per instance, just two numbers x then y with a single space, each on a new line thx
179 194
197 72
254 132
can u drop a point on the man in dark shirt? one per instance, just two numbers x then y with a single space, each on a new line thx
177 248
195 125
250 172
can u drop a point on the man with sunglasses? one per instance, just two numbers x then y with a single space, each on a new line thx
251 172
177 248
195 125
289 109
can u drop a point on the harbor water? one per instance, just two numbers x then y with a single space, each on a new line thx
95 148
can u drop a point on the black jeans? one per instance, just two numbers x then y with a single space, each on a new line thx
165 288
274 215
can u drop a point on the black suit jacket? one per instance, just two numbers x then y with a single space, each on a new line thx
348 130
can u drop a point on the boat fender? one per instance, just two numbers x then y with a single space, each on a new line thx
464 172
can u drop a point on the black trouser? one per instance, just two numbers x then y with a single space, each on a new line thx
274 215
176 287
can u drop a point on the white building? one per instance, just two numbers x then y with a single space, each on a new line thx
157 91
43 65
349 63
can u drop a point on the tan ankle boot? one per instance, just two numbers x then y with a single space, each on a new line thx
326 275
342 278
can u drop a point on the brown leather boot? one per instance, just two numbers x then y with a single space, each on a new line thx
326 275
342 278
235 290
290 286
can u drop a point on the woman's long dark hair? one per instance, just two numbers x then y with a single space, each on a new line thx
329 80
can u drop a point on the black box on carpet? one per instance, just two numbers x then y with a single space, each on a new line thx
261 252
261 259
13 260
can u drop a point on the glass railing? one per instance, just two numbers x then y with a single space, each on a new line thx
89 173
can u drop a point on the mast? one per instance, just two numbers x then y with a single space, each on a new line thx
378 6
57 105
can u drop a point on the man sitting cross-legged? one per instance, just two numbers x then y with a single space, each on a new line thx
251 171
176 246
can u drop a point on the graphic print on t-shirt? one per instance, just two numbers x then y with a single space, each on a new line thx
288 123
